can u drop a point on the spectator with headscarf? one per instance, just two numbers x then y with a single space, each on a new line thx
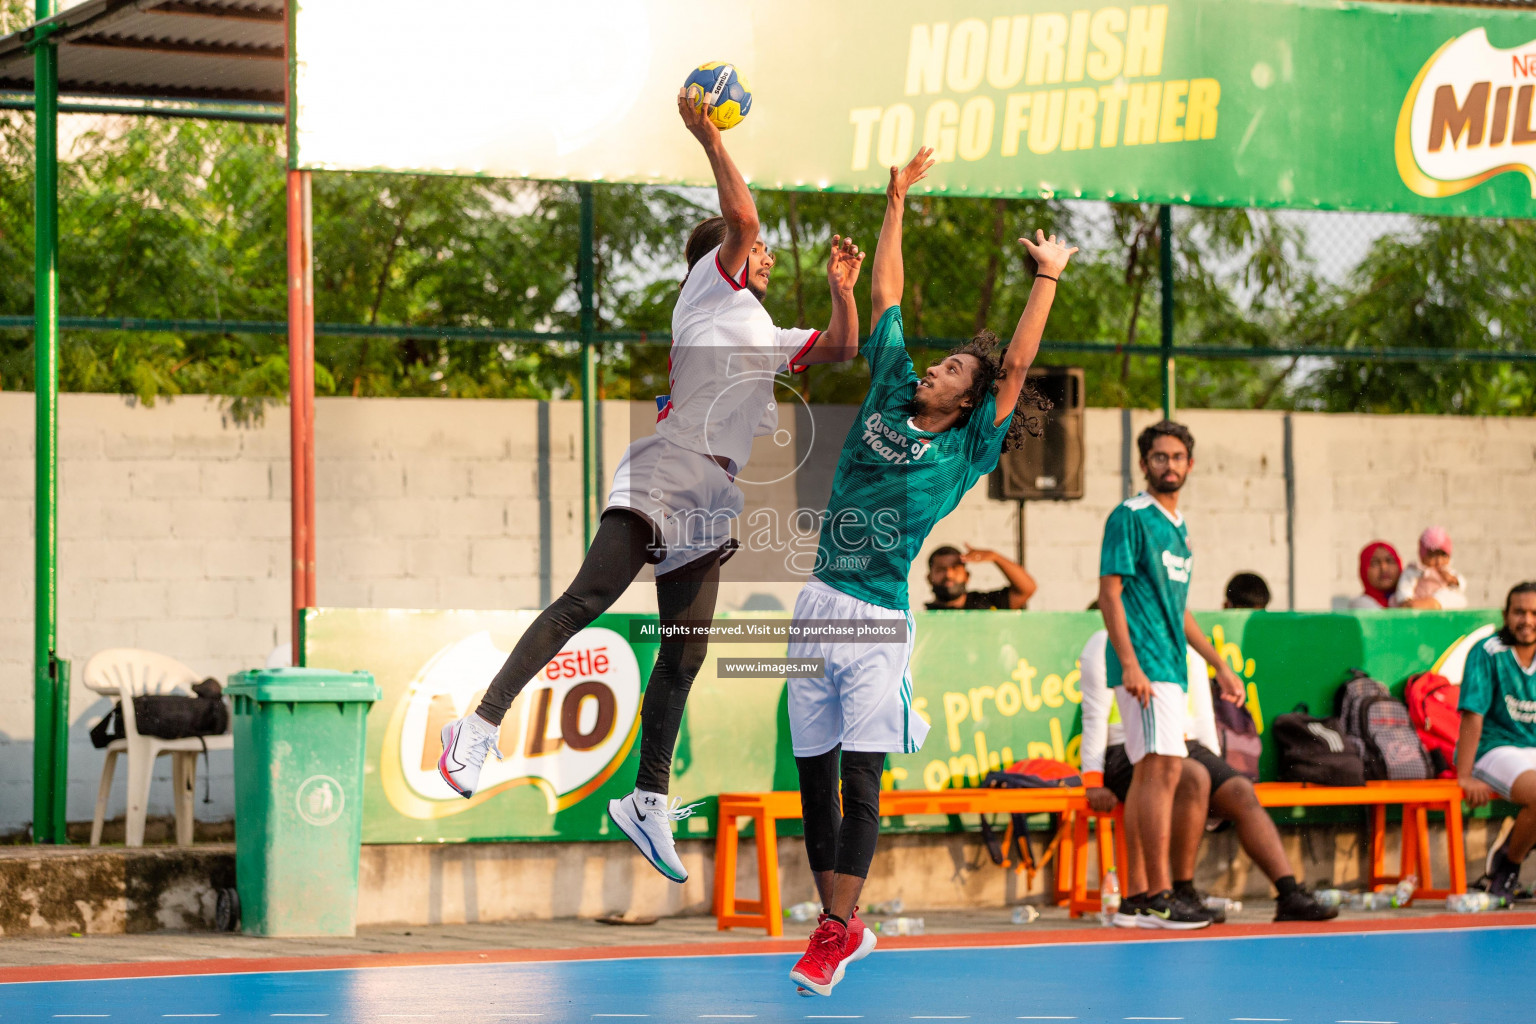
1380 569
1431 583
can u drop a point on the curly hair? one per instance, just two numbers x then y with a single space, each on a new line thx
1028 413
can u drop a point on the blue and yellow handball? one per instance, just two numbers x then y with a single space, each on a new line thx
722 87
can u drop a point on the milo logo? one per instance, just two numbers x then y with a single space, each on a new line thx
567 732
1469 116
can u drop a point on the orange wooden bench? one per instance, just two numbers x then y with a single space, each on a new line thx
1417 798
765 809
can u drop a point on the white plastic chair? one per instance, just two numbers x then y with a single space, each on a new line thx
125 673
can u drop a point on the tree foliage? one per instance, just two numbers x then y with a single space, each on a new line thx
186 219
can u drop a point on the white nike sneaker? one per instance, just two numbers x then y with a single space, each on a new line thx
647 819
465 744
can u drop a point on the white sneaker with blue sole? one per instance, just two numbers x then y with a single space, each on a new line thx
646 818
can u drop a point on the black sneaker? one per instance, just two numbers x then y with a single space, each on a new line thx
1301 905
1163 911
1191 898
1497 847
1504 883
1131 909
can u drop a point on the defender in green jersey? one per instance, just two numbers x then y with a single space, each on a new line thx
1144 570
1496 750
920 442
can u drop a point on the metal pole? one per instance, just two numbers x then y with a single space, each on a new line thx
301 398
585 284
1165 266
50 720
1288 455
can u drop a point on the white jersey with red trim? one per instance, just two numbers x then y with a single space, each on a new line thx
726 353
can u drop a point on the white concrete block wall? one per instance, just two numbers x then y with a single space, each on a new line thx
174 525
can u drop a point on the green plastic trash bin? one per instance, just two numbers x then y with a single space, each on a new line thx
299 798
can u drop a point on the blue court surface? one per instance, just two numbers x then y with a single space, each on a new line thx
1461 976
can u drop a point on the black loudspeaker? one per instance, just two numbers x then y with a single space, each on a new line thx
1048 468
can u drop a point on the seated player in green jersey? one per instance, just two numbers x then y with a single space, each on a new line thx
918 445
1496 751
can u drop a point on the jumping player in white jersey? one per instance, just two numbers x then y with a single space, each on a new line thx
674 494
918 445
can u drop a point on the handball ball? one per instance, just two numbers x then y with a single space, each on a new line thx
721 86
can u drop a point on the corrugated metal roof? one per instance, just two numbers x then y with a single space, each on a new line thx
160 49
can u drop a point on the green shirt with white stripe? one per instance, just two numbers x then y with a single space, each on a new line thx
894 481
1148 548
1495 685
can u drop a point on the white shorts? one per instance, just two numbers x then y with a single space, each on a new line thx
1159 727
1501 766
864 699
691 500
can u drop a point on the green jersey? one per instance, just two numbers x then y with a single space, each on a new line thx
894 481
1496 686
1149 550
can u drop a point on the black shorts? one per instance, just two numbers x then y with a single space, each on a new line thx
1117 768
1215 765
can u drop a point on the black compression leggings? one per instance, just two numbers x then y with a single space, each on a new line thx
623 546
841 840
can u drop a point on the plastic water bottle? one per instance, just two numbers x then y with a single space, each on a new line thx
890 908
1025 914
900 926
807 911
1471 902
1109 898
1331 897
1403 894
1222 905
1370 901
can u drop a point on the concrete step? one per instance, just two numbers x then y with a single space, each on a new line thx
64 890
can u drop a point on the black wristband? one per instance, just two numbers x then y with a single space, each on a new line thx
1046 277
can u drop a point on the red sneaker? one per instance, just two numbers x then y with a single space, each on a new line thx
861 943
861 940
822 965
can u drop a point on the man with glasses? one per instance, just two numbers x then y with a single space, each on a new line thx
1144 570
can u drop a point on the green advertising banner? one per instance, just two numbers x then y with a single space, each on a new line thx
995 687
1285 103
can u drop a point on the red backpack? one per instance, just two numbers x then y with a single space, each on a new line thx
1432 700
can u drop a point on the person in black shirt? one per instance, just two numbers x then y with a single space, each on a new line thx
948 576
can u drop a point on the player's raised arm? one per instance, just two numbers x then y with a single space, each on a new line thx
1052 258
736 204
839 342
886 277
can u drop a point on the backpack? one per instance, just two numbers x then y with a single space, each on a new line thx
1035 773
1315 750
169 716
1432 707
1390 747
1240 742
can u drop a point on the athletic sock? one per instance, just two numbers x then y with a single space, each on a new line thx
833 917
1185 888
1286 885
1502 863
1137 895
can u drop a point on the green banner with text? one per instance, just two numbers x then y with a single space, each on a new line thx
995 686
1272 103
